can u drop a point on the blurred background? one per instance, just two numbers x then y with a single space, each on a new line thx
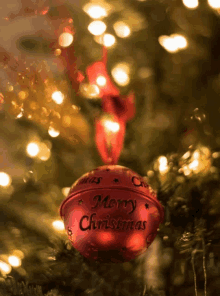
167 53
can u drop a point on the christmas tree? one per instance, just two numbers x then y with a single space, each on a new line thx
59 61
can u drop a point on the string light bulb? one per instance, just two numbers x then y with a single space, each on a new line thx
97 28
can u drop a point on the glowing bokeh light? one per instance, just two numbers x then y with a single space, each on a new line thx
191 4
18 253
215 154
58 97
122 29
186 155
168 43
101 80
163 167
14 261
21 113
22 95
180 41
65 39
65 191
111 126
186 170
173 43
5 179
214 3
120 74
194 165
97 28
52 132
108 40
89 91
196 154
95 11
44 153
5 268
33 149
58 225
99 39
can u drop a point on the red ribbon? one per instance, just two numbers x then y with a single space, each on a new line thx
120 108
109 143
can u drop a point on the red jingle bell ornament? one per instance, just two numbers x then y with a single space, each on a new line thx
111 214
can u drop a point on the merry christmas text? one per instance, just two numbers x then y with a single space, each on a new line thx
110 223
108 202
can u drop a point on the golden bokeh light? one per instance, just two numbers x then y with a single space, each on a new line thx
57 52
180 41
58 225
215 154
5 179
65 39
95 11
122 29
23 95
5 268
18 253
89 91
99 39
10 88
120 74
168 43
101 80
33 149
108 40
111 126
58 97
65 191
163 165
186 170
53 133
20 114
173 43
214 3
198 162
186 155
191 4
97 28
14 261
194 165
44 153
